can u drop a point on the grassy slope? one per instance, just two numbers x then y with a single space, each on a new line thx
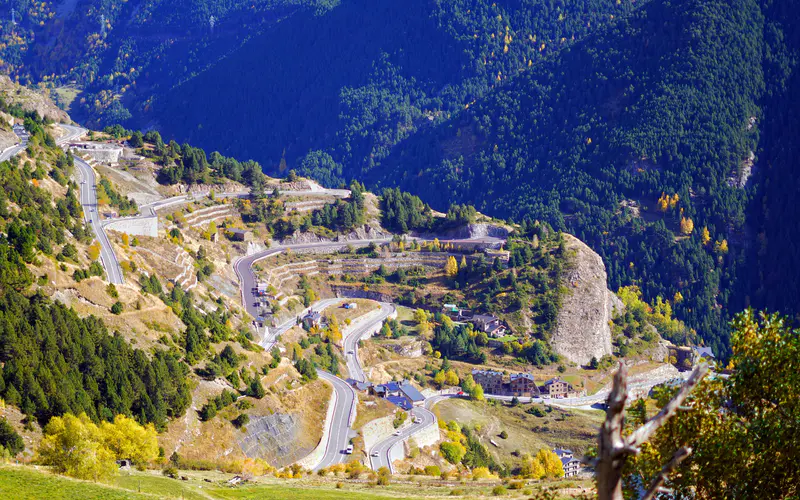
29 483
574 429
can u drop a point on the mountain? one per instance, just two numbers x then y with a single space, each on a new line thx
661 104
638 127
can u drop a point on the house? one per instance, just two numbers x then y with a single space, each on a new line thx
704 353
490 380
401 394
312 320
557 388
569 463
361 386
523 385
489 324
238 234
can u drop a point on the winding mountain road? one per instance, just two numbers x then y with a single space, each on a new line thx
88 199
360 331
88 184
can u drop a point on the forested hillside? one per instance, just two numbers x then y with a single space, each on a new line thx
643 128
632 140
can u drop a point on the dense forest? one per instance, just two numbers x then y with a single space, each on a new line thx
655 131
641 164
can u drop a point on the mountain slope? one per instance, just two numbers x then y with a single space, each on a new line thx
659 102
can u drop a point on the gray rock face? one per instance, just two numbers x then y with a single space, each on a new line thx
273 438
582 330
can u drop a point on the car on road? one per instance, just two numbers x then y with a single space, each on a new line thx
349 449
396 433
417 420
350 352
374 454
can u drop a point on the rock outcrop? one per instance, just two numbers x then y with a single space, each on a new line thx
31 100
582 328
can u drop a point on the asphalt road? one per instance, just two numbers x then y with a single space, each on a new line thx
351 340
88 198
88 185
339 434
380 453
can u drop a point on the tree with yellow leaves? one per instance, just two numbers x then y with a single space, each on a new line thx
130 441
721 247
673 202
125 239
440 378
334 332
531 468
706 237
451 377
94 251
423 325
77 447
687 225
451 267
663 203
550 462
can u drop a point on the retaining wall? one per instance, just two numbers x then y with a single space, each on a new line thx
135 226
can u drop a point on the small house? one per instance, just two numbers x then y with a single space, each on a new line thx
235 234
312 320
489 324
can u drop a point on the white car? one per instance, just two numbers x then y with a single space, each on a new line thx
374 454
417 420
396 433
349 449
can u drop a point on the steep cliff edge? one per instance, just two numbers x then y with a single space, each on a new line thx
582 329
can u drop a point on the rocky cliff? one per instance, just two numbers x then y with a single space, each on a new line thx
31 100
582 329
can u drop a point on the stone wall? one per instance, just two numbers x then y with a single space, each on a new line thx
135 226
582 330
377 430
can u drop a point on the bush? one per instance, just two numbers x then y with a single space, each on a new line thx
504 435
117 307
399 419
432 470
240 421
499 490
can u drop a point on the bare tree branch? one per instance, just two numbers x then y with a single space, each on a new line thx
644 432
655 485
613 449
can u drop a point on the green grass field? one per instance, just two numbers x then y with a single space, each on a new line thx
28 483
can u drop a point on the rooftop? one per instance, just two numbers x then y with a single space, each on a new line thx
411 392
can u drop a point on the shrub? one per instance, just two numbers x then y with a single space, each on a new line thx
117 307
499 490
432 470
504 435
170 471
